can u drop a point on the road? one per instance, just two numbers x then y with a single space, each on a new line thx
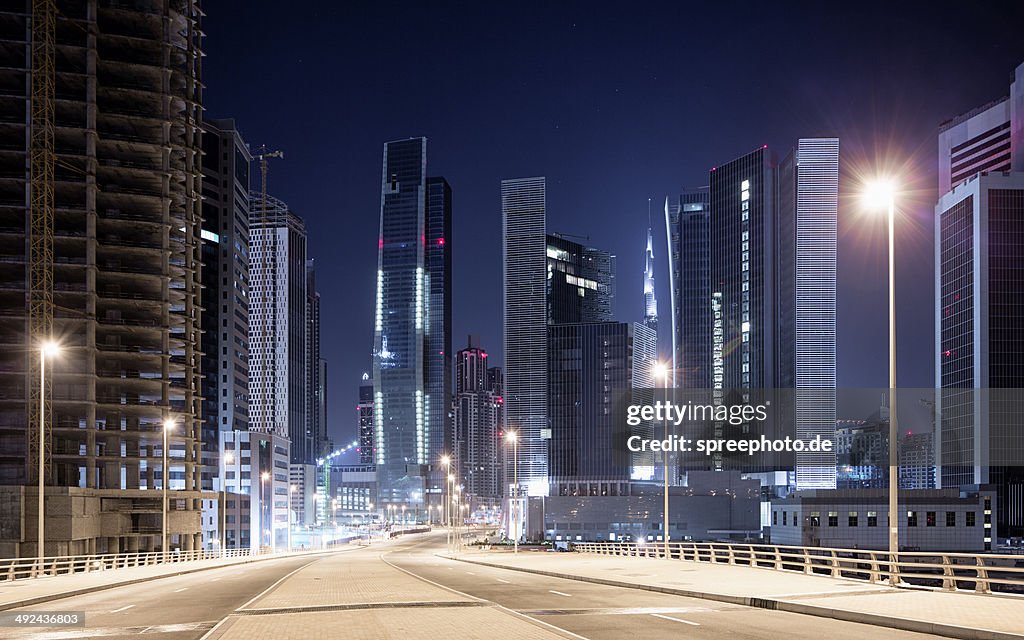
189 607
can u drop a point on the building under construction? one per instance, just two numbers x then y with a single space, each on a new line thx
100 172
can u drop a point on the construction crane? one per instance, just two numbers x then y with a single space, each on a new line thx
40 294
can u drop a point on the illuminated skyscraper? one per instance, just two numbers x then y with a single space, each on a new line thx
650 301
689 257
412 334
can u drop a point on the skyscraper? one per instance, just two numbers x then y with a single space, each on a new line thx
811 173
979 357
592 366
478 407
687 229
100 247
742 234
650 301
412 334
773 288
277 320
580 282
316 374
987 139
524 245
365 421
225 237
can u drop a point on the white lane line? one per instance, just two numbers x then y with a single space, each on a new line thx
122 609
215 580
658 615
471 573
181 589
505 581
559 593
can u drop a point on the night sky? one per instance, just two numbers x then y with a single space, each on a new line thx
614 104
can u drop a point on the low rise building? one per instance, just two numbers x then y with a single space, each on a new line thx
929 519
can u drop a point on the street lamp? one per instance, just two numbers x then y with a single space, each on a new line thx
48 349
661 371
514 439
228 459
263 498
168 426
291 490
881 194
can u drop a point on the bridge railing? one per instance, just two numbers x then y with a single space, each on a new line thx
981 573
22 568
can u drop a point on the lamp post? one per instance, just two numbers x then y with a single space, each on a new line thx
228 459
168 426
48 349
661 371
334 512
514 439
291 490
881 194
263 497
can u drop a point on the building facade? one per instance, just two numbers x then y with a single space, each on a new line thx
687 229
477 427
255 470
316 439
524 257
930 520
979 362
277 320
111 269
225 319
365 421
411 385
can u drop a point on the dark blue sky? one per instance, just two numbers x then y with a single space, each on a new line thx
614 104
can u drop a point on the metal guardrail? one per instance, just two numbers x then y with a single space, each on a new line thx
980 573
23 568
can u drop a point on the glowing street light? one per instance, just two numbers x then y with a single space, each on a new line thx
881 194
168 427
513 437
660 371
49 349
228 458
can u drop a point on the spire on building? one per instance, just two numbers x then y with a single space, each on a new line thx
650 302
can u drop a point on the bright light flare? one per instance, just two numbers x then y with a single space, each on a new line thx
168 425
511 436
878 194
50 349
660 370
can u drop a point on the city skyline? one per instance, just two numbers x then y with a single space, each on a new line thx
614 129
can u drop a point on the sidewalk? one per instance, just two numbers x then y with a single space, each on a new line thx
367 598
23 593
957 615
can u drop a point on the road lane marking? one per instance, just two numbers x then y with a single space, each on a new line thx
658 615
181 589
559 593
471 573
215 580
122 609
505 581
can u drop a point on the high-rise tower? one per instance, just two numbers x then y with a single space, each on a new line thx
412 328
525 325
100 240
650 301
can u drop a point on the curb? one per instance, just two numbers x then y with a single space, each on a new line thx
103 587
918 626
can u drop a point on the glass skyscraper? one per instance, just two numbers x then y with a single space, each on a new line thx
412 335
525 326
687 226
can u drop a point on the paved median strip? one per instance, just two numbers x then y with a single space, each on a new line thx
364 605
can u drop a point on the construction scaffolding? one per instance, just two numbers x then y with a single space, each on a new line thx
100 250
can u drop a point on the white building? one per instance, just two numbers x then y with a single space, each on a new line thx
929 520
255 472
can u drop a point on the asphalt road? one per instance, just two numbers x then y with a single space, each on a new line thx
187 607
599 612
177 608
